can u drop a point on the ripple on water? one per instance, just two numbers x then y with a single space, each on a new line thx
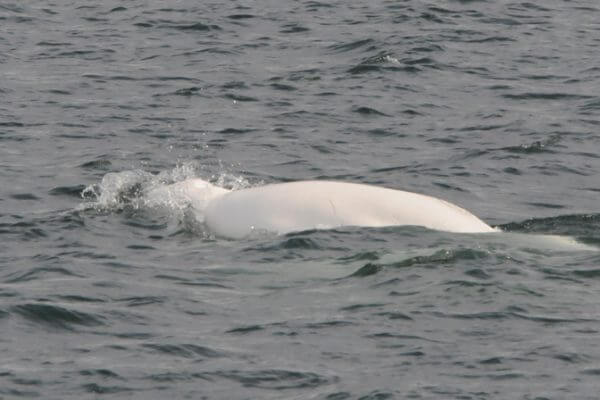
439 257
56 317
274 379
570 224
185 350
106 389
39 273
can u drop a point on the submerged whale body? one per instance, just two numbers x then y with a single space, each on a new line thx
296 206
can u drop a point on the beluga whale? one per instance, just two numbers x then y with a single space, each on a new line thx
281 208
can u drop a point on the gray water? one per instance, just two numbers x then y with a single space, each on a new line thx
492 105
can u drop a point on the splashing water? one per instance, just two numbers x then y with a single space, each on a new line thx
166 191
116 190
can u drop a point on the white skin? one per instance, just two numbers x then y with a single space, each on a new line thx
296 206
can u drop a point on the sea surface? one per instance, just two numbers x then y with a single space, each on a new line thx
492 105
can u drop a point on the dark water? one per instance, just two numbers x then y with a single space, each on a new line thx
493 105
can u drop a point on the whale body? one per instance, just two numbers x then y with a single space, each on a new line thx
297 206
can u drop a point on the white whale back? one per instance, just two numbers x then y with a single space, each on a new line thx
296 206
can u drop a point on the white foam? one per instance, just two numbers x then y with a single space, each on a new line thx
114 188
